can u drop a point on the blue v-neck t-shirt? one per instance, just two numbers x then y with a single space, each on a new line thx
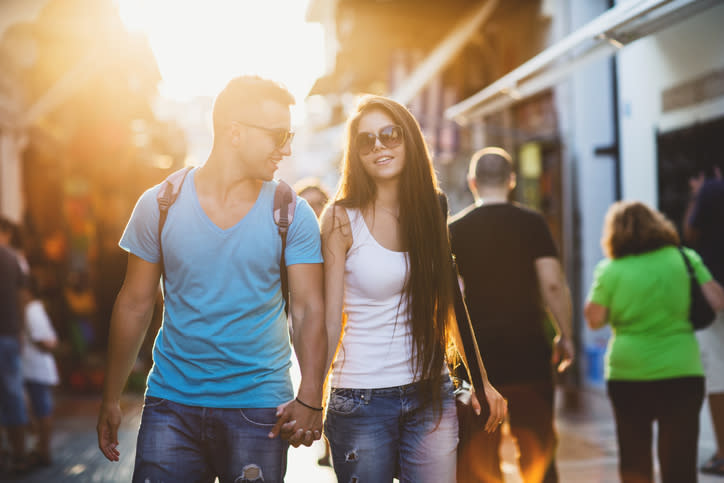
224 340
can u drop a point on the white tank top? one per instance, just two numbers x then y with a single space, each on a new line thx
376 349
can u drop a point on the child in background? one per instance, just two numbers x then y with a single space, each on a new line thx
39 373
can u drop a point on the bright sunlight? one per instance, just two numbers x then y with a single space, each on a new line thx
199 46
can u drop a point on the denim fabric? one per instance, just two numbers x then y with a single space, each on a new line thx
377 434
12 398
41 398
196 444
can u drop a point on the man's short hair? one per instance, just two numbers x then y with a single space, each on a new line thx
491 166
246 93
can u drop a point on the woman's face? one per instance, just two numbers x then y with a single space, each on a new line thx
385 159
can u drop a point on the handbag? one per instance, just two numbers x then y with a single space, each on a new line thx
701 314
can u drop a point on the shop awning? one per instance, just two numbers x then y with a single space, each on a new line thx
603 36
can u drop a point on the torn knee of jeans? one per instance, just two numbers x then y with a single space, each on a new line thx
351 456
250 474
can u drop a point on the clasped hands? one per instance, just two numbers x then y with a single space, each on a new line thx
297 424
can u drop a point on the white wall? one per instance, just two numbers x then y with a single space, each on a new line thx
647 67
586 108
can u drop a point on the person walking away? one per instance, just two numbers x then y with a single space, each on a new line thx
653 368
391 410
219 394
704 230
13 296
511 274
40 373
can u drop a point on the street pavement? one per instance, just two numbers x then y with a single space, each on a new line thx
587 450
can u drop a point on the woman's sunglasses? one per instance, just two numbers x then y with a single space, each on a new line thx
390 137
280 136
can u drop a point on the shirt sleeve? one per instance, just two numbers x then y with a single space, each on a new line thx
700 214
542 239
141 234
601 288
303 243
39 326
702 273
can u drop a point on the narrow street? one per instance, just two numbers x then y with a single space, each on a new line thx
587 451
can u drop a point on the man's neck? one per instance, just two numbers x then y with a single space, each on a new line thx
490 197
221 178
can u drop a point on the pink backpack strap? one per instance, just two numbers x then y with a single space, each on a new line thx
285 201
166 197
170 188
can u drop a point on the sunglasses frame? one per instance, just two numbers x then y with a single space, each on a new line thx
378 135
288 136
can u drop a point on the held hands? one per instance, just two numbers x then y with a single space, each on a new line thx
563 353
298 423
109 418
498 407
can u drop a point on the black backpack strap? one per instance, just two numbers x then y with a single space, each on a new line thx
166 197
285 202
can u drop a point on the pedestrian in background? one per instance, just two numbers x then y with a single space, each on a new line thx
704 230
311 189
653 368
391 410
219 392
511 274
40 373
13 297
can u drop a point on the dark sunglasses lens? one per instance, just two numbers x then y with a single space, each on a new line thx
365 142
391 136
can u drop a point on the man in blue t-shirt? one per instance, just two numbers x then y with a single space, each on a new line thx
219 394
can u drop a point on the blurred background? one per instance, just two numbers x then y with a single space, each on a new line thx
597 100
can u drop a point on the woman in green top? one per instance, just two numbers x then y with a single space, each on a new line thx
653 368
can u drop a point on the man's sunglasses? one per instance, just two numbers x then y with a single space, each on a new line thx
279 135
390 137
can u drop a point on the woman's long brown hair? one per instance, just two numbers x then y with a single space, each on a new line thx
428 290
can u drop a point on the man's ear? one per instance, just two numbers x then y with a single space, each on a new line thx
473 186
513 180
235 133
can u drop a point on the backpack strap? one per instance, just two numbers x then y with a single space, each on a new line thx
166 196
285 202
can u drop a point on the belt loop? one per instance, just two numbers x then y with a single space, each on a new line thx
366 396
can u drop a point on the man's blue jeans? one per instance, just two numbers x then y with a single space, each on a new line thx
12 397
195 444
375 434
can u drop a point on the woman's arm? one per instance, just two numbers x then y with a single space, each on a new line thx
596 315
714 294
336 241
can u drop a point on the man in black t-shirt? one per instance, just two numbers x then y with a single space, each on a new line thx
509 266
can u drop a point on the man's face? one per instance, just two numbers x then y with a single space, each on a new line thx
261 140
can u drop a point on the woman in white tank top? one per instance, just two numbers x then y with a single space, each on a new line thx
391 410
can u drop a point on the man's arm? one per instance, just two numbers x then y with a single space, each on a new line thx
310 344
129 323
557 298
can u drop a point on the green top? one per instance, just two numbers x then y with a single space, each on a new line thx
647 297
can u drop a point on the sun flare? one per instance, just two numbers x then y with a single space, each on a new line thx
199 46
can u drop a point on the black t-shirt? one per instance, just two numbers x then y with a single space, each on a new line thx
708 220
11 281
496 247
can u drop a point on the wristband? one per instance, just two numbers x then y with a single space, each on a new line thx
307 405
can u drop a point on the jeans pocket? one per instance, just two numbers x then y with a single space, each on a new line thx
344 401
259 416
153 402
